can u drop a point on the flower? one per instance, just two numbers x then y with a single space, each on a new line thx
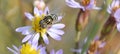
94 47
114 10
35 31
84 5
28 48
58 52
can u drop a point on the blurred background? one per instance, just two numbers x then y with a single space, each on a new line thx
12 17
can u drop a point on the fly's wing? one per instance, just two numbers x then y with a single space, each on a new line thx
58 13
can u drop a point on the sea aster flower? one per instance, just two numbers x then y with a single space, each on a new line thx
95 45
114 10
35 31
28 48
58 52
84 5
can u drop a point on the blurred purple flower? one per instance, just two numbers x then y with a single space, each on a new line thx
84 5
114 9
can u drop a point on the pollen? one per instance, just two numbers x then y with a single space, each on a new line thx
27 49
36 26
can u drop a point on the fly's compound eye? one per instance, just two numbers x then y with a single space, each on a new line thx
48 19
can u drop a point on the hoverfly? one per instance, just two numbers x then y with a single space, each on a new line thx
48 20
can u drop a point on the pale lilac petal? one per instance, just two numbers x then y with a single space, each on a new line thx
54 36
27 31
117 15
36 11
102 45
26 38
20 29
12 50
59 51
73 4
40 46
15 48
29 16
91 5
59 32
109 10
41 12
58 26
36 38
45 38
59 18
96 38
118 27
42 50
115 3
52 51
34 45
46 11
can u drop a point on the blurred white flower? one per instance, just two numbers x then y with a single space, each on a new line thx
35 31
84 5
28 48
58 52
40 4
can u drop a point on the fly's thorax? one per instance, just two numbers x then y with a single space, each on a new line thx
48 20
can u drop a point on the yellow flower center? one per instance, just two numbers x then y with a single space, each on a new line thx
27 49
115 8
85 2
36 24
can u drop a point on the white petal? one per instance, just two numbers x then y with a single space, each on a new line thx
59 51
117 15
29 16
52 51
45 38
58 26
12 50
36 11
26 38
54 36
46 11
36 38
118 27
59 32
73 4
15 48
